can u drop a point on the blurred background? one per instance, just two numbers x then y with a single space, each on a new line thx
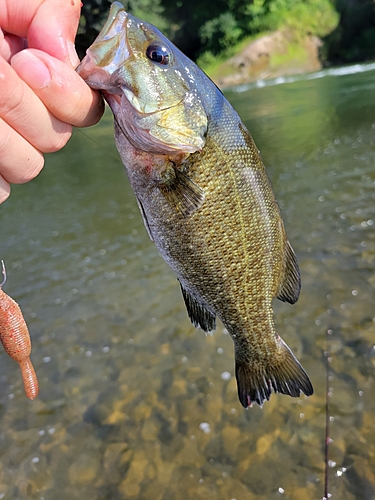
342 31
134 402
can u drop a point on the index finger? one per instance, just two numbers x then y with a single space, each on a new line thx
48 25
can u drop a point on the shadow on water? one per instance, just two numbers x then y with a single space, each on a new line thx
134 402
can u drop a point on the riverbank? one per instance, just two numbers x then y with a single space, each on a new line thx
272 55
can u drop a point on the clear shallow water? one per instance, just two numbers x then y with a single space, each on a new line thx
135 403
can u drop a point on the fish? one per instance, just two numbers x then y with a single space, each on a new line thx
204 195
15 338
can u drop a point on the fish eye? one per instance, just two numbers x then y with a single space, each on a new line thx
159 54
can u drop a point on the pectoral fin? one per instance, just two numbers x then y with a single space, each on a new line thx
291 285
182 193
199 315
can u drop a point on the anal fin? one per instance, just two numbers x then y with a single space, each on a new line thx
290 287
199 315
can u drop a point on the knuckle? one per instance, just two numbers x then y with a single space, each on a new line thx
11 99
4 142
20 162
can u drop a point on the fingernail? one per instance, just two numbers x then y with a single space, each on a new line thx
32 70
72 54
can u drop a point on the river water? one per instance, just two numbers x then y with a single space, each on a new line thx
137 404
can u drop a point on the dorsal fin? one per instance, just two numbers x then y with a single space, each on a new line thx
198 314
291 285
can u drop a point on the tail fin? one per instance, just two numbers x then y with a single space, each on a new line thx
286 375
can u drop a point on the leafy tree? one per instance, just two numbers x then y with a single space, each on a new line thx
210 28
354 38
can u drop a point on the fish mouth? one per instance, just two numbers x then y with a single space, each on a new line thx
115 102
108 52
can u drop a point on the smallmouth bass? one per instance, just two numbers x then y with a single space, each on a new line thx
204 195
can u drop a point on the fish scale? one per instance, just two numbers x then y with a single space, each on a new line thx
204 195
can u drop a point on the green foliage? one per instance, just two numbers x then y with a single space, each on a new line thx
197 27
218 29
354 38
207 29
148 10
220 33
212 30
317 17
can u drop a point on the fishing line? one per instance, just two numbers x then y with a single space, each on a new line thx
95 142
328 440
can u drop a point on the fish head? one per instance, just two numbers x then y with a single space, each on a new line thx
149 84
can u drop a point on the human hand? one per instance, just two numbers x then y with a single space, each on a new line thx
42 96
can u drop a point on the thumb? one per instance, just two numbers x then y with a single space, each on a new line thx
54 27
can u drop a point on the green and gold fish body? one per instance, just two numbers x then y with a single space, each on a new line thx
204 195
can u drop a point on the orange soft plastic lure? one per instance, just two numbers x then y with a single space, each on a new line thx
15 337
